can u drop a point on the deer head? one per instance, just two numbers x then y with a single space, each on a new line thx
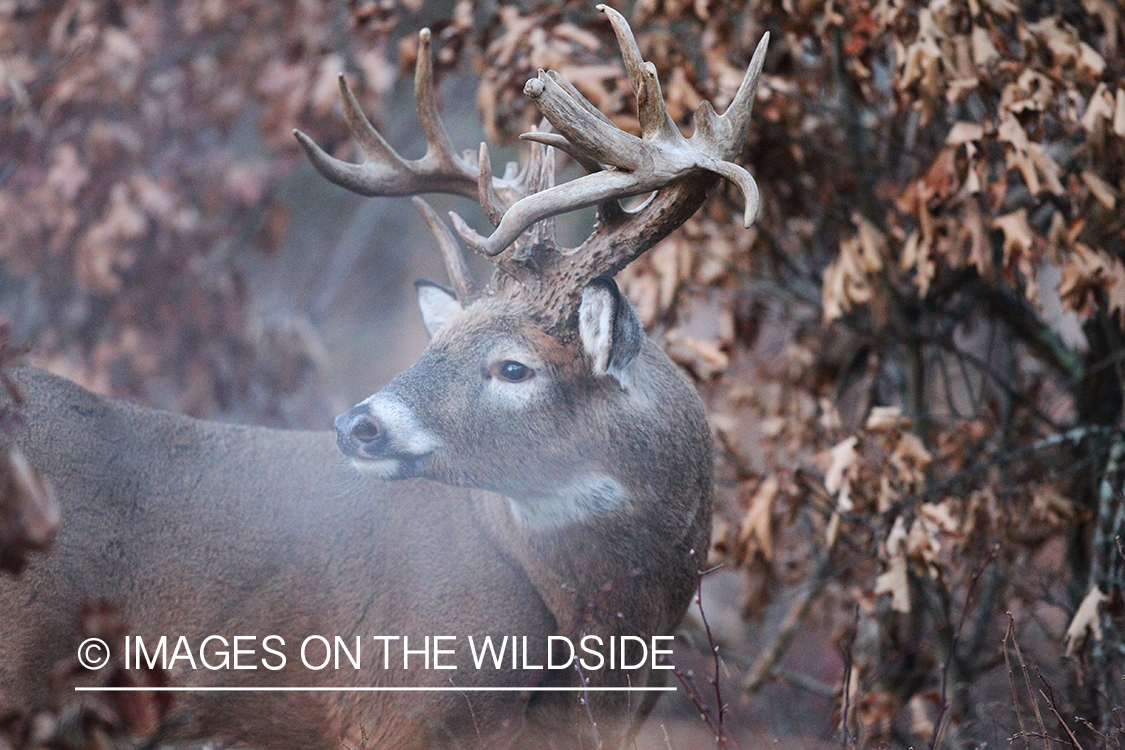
549 355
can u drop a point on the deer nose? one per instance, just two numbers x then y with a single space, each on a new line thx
358 431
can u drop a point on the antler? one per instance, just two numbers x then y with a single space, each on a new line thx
384 172
659 158
520 205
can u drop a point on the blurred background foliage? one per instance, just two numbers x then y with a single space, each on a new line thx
913 361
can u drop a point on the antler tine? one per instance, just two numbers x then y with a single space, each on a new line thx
738 113
486 189
562 144
609 210
508 266
384 172
555 140
536 177
592 135
438 143
455 266
652 113
544 240
745 183
727 132
540 168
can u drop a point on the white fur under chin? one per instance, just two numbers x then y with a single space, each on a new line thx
379 468
577 502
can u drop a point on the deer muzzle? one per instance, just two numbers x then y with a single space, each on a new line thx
383 437
360 435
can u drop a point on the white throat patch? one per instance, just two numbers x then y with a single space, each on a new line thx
580 500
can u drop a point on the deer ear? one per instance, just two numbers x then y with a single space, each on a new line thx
610 330
437 303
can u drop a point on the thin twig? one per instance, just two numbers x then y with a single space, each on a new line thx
1027 683
943 706
695 695
766 664
585 700
1051 705
1010 634
845 732
1074 436
996 379
721 738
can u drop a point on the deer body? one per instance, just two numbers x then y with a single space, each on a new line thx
542 470
195 530
200 528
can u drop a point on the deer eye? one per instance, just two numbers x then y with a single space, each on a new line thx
511 371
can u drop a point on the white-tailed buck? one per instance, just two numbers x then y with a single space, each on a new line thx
542 470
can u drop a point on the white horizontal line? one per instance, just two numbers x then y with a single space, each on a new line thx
440 689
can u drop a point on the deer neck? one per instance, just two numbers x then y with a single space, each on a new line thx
588 498
585 568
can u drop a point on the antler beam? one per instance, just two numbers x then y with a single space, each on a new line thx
521 204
